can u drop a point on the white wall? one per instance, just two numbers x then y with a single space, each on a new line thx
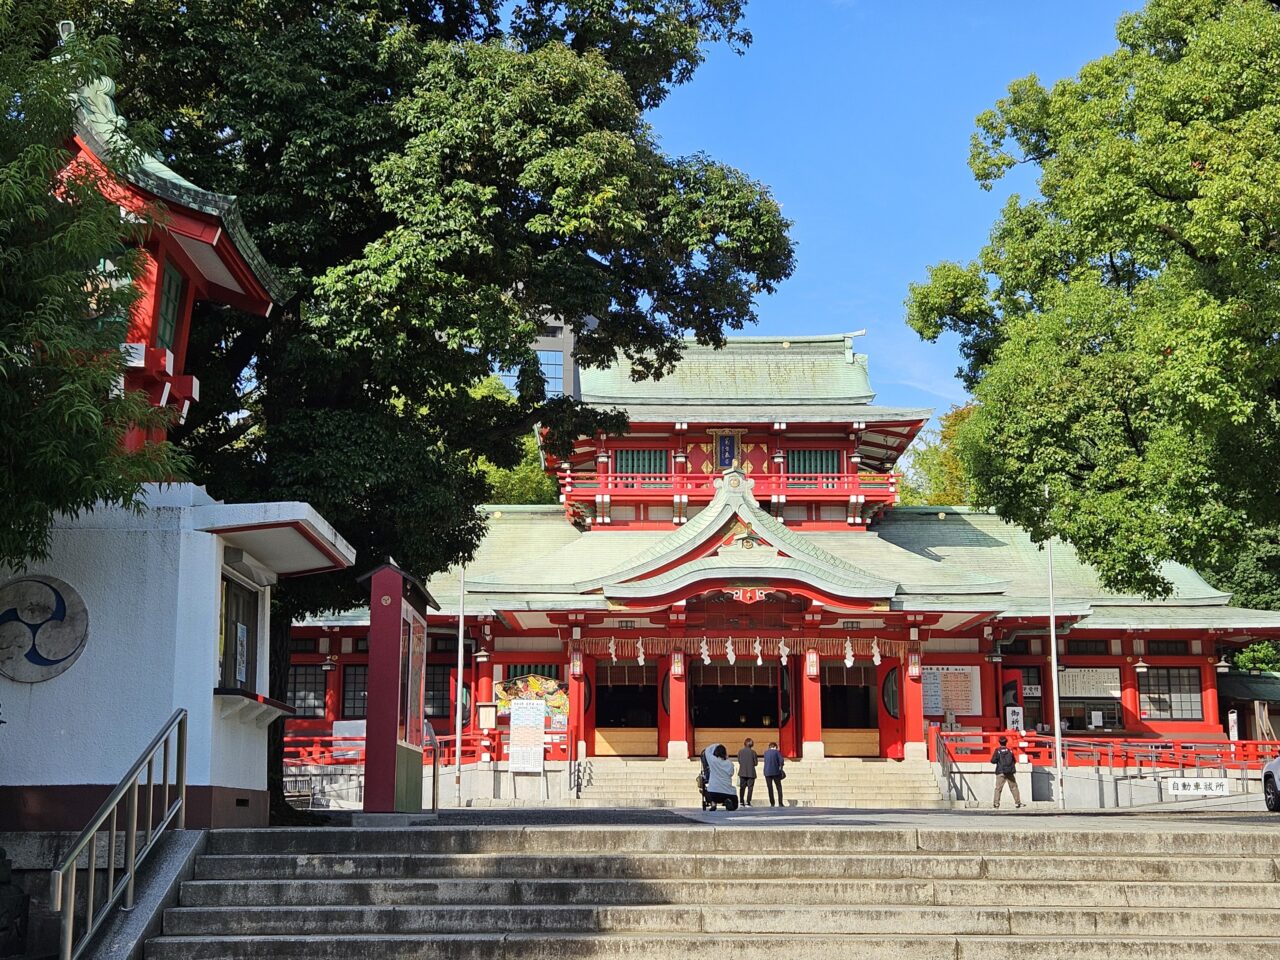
151 584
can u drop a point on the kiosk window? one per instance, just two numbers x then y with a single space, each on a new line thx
239 636
437 694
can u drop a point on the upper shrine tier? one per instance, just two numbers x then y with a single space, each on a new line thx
796 414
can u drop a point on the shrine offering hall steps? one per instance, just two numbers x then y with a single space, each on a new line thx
685 889
841 783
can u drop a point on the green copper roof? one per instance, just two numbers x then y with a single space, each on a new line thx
101 127
777 373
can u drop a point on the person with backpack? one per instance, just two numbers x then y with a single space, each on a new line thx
773 772
1006 772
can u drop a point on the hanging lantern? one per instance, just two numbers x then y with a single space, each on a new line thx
913 664
811 664
575 664
677 664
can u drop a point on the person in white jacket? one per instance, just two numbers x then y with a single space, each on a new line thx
720 776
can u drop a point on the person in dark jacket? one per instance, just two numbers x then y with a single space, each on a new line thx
773 764
746 771
1006 767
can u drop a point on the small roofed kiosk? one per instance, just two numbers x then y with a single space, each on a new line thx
198 250
738 565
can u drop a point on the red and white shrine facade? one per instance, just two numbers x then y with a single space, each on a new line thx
735 566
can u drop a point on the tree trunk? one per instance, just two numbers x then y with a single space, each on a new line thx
282 812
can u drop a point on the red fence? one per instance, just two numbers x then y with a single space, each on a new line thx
977 747
339 751
700 487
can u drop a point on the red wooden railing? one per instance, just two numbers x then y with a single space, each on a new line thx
700 487
1173 754
308 750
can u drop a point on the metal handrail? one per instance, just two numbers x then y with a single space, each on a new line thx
435 769
62 879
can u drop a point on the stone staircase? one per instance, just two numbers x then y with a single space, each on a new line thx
758 892
866 784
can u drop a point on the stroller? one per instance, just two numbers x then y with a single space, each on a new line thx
703 779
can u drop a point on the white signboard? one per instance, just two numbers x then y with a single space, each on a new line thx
1101 682
952 689
1095 719
1013 718
528 736
1198 787
1031 690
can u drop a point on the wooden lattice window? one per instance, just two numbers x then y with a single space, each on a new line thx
641 461
170 308
813 461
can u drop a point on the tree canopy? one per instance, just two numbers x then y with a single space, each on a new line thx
933 473
66 267
1119 329
437 182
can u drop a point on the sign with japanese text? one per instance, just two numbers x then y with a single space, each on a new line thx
1180 787
528 736
951 689
1102 682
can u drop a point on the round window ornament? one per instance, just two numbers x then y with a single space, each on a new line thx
44 626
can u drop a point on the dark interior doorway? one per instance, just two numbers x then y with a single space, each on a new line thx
736 696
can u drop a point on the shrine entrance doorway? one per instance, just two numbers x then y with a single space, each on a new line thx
732 702
850 710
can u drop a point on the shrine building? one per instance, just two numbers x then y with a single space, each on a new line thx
738 564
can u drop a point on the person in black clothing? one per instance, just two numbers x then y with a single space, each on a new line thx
1006 765
773 772
746 771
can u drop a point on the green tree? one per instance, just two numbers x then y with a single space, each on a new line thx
1261 655
65 290
527 481
1251 572
434 198
933 473
1119 328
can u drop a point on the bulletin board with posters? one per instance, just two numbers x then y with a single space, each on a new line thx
951 689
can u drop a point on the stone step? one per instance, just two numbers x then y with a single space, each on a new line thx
506 890
740 918
484 945
694 839
238 867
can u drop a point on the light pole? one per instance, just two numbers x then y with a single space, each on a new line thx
457 688
1053 672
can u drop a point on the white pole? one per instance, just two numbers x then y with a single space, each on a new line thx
1053 670
457 688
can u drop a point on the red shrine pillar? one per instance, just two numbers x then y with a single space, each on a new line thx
578 704
1209 694
1130 699
811 745
678 745
913 747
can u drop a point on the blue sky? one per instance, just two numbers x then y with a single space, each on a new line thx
857 114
